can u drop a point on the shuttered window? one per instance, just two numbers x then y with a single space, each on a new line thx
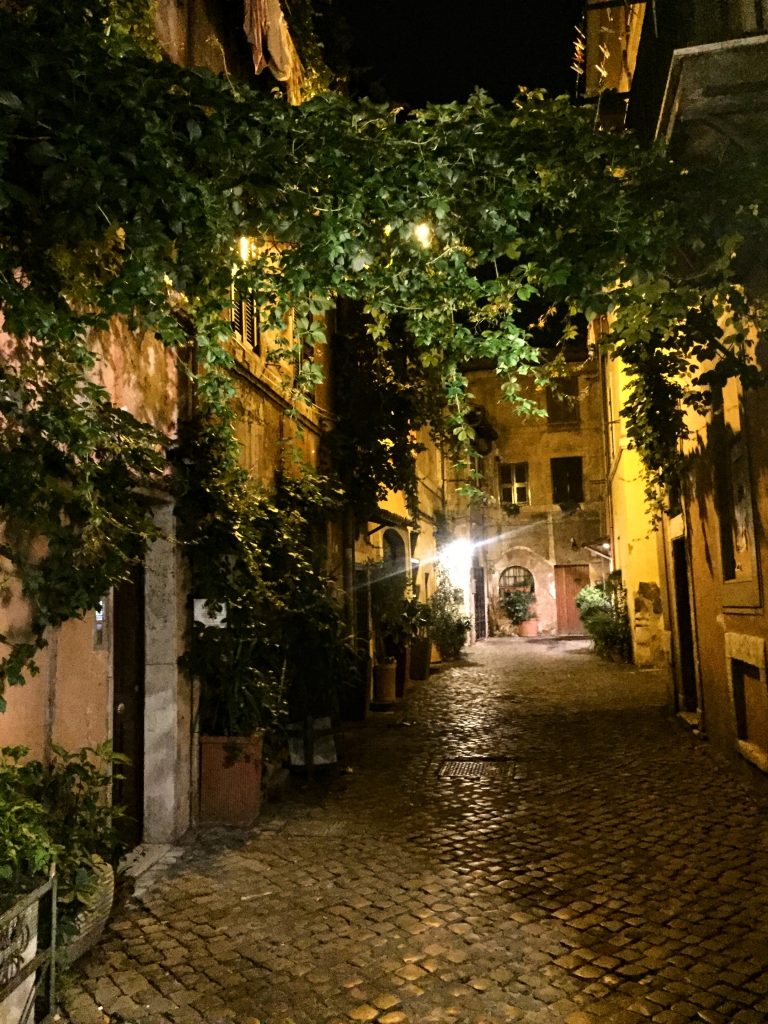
245 321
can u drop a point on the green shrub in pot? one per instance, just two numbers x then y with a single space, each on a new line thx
58 810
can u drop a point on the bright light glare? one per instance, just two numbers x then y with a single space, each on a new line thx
245 248
456 559
423 234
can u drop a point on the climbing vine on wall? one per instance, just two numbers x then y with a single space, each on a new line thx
125 182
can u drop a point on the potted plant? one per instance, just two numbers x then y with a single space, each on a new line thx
59 810
240 696
421 643
448 623
397 619
517 605
603 610
26 851
387 592
320 663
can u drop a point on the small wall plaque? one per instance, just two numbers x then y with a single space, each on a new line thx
203 614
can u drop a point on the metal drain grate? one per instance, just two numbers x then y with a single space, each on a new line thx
313 829
476 768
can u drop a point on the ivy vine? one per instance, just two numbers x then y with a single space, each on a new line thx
257 555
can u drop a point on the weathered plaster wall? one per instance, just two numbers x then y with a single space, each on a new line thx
25 720
725 629
81 695
140 375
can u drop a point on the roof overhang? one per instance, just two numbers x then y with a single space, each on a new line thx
715 94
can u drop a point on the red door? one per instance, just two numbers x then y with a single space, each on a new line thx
569 580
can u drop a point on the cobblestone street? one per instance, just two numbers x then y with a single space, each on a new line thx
528 838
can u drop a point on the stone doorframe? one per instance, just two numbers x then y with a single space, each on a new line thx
168 697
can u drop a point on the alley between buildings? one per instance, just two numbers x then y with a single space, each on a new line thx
528 838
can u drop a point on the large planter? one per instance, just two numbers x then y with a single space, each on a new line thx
230 779
385 682
530 627
91 921
402 671
421 656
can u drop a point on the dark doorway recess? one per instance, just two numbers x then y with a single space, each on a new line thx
481 626
128 702
686 697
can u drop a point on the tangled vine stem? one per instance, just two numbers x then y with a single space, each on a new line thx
125 181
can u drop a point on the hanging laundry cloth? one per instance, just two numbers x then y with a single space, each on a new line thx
272 47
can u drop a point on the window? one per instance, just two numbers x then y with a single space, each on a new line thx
750 696
567 480
735 508
733 500
516 577
305 371
513 483
245 321
563 403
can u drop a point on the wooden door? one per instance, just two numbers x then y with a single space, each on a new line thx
128 699
569 580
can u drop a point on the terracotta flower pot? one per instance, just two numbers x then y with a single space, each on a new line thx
230 779
91 921
385 682
530 627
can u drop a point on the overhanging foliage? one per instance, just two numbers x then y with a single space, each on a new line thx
125 182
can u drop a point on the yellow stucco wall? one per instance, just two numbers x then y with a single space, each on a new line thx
634 540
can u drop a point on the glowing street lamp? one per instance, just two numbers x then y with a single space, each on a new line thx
423 234
456 559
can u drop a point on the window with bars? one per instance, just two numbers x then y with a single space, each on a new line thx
513 483
245 321
516 577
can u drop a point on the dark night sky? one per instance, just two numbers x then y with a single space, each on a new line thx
415 51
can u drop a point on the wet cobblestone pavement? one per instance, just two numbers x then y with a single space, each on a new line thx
529 838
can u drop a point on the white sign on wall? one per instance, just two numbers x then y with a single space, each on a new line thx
203 614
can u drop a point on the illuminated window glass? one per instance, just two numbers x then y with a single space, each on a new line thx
513 483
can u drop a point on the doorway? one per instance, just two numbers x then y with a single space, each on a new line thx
478 595
569 580
686 697
128 673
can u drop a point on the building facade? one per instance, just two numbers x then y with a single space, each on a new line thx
696 76
542 528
